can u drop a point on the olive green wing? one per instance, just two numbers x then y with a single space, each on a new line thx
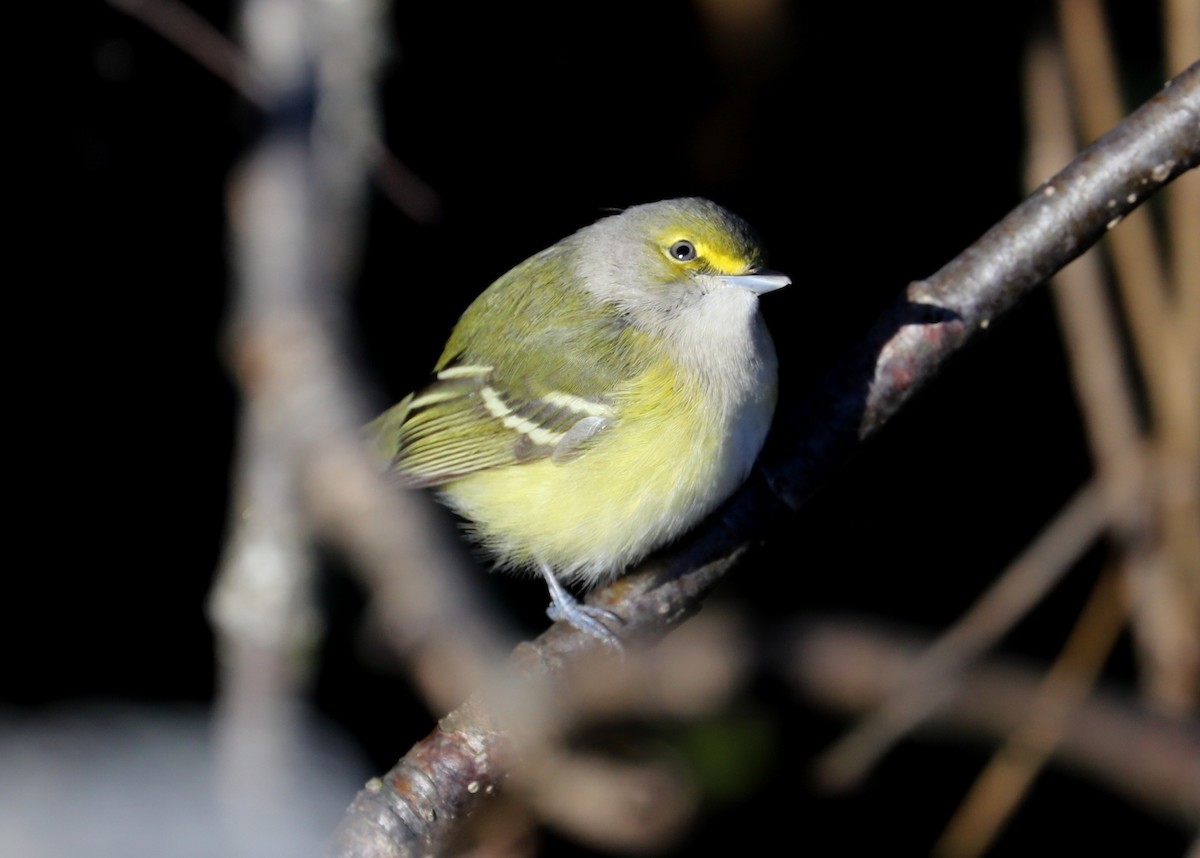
527 374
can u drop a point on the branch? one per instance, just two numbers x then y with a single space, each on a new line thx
418 804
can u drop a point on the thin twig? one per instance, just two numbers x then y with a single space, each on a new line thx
1167 592
1145 757
1182 36
179 25
1089 326
1093 349
935 676
998 790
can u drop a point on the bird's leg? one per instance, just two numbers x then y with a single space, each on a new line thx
586 618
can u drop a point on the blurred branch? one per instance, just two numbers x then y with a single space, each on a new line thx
261 603
1148 758
999 789
265 625
178 24
935 675
182 27
612 804
295 206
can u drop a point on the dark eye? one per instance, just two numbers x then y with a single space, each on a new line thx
683 250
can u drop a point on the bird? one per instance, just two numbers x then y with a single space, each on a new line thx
599 399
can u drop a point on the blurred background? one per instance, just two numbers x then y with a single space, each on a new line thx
867 146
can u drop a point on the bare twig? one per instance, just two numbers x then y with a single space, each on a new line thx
179 25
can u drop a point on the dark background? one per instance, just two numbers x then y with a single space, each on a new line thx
867 148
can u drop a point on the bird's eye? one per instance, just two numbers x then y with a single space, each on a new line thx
683 250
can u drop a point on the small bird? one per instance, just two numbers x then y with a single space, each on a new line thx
599 399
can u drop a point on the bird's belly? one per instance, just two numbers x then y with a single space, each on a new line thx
645 480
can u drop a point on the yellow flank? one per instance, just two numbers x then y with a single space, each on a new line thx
646 477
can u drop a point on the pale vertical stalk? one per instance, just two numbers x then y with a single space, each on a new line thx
1166 593
930 682
1134 249
1094 357
1182 39
998 790
261 605
1182 31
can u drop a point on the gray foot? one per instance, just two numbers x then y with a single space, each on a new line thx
586 618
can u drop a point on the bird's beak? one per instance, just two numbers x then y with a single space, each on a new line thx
758 282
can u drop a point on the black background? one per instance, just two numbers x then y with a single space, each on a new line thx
867 147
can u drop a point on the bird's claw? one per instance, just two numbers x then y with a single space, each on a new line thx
587 618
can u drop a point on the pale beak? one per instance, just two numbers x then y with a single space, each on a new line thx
760 283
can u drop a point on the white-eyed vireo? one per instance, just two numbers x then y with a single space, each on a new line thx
601 397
